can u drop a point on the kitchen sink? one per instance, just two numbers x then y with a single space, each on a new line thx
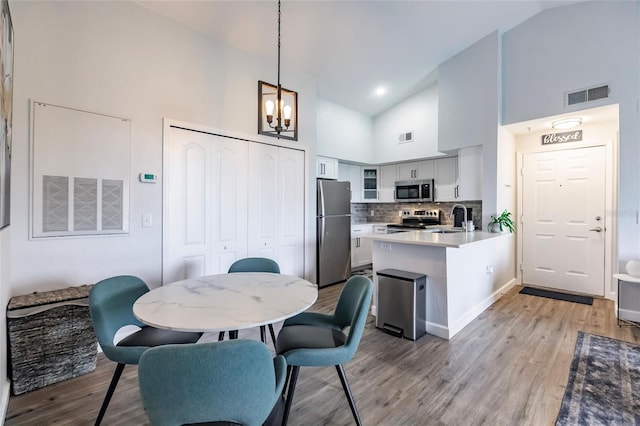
443 231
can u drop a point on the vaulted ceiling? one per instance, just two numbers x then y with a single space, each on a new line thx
353 47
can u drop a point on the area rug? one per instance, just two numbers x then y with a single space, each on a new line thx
604 383
585 300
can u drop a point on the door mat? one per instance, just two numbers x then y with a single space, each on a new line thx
585 300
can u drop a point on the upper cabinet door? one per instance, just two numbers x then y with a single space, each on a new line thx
326 168
416 170
351 173
388 179
407 171
370 183
470 173
446 178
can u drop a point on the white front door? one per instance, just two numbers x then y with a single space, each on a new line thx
563 220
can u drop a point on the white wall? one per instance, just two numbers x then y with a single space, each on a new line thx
468 106
417 114
344 133
574 47
4 299
120 58
506 190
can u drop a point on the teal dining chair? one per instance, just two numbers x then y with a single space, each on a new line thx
312 339
236 381
256 264
111 307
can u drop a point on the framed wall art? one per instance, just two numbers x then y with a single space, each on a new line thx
6 107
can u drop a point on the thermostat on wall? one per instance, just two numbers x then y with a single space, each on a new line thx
148 177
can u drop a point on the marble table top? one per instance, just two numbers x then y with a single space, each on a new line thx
225 302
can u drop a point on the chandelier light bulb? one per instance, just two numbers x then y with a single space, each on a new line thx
269 105
287 112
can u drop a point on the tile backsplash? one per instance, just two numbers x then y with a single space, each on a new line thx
390 212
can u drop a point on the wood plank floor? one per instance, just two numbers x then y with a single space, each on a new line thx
508 367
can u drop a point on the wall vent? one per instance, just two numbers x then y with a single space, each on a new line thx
405 137
588 95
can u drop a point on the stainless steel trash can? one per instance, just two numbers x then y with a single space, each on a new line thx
402 303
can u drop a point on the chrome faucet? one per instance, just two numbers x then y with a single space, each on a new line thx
464 224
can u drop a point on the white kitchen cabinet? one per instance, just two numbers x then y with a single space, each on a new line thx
469 174
416 170
388 179
446 174
343 172
351 173
326 168
370 183
361 250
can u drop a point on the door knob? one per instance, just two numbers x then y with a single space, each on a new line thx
596 229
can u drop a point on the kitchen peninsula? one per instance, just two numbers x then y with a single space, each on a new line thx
466 272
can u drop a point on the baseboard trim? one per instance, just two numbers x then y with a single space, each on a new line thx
4 400
480 308
438 330
445 332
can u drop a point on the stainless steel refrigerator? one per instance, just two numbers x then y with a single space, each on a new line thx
333 232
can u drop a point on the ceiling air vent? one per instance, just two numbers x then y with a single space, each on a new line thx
588 95
405 137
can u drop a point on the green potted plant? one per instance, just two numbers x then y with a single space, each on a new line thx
499 223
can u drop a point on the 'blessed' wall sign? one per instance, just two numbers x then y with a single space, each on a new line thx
563 137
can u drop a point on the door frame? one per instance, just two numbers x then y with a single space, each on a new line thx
611 201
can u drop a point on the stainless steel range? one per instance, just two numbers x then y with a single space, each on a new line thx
420 219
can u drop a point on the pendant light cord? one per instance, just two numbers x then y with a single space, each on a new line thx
279 94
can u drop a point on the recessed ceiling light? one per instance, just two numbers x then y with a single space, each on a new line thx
380 91
567 123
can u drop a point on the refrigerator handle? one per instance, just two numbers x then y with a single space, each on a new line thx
321 232
321 189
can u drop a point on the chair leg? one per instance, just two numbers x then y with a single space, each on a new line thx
263 334
221 336
112 388
292 387
273 335
347 392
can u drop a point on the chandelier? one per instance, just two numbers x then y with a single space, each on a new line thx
277 106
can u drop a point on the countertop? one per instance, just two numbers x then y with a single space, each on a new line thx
425 238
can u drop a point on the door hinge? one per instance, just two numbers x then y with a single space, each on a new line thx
521 268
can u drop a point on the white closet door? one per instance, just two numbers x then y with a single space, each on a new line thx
263 201
229 219
291 211
205 204
187 200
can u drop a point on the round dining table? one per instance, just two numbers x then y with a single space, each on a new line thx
225 302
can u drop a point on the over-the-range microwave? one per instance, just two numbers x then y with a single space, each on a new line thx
414 190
